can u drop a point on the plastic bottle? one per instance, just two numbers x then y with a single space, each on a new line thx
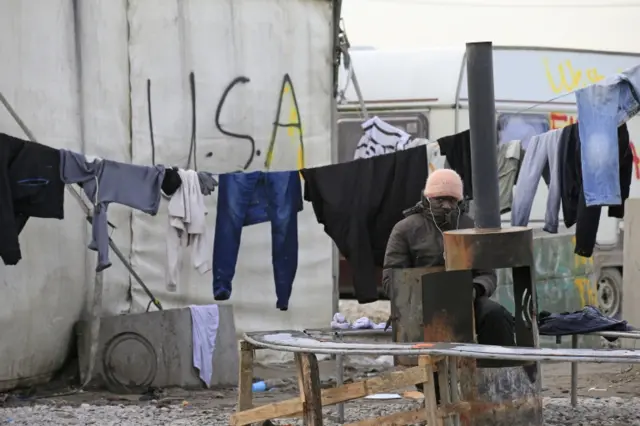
259 387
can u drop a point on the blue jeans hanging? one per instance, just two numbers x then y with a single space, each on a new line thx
602 107
250 198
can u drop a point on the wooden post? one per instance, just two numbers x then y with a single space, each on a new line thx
455 395
309 381
245 382
430 401
445 387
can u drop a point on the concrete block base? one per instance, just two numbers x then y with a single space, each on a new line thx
155 349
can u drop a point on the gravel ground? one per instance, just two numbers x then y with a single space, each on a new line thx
613 411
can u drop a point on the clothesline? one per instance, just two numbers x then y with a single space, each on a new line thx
548 101
606 181
454 147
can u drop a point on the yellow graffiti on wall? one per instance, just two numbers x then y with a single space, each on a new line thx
294 125
579 262
565 78
295 133
585 288
587 291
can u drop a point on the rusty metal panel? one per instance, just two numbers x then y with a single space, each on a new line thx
447 307
406 307
488 248
503 396
502 248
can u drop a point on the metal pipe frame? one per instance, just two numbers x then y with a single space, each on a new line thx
574 364
296 342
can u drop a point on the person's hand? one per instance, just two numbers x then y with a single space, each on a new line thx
478 291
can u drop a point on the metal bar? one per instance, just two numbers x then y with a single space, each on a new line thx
356 86
135 275
456 122
455 395
335 45
96 314
574 374
364 332
340 380
344 47
284 342
482 120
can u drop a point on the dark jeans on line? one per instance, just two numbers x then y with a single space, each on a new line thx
495 325
249 198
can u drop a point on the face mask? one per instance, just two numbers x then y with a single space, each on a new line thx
444 212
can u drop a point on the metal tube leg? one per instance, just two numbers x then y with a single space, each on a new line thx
340 380
445 388
574 374
453 379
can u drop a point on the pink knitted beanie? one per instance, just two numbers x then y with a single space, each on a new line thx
444 183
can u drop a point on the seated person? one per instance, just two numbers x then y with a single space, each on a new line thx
418 241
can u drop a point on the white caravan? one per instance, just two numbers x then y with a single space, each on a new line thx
425 93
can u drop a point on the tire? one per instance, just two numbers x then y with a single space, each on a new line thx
609 287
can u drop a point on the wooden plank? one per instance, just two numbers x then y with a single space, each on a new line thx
430 402
298 361
445 387
409 417
384 383
396 419
454 408
245 381
293 407
311 402
455 395
267 412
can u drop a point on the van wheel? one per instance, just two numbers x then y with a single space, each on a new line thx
610 291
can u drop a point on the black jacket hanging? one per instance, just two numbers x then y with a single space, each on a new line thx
30 186
359 203
574 209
